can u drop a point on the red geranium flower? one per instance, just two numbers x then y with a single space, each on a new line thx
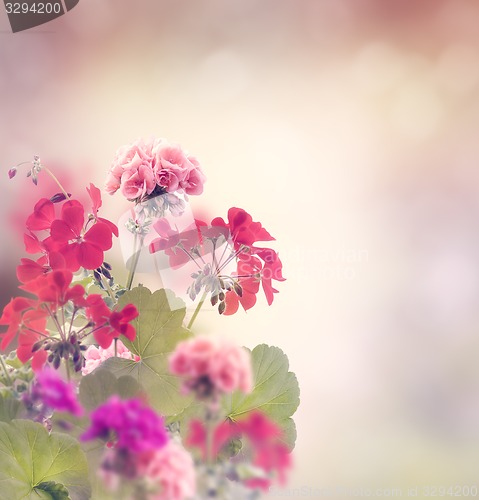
80 247
242 228
95 196
12 316
30 269
55 289
110 324
35 322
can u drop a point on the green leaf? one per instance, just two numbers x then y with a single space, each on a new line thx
275 393
100 385
158 331
54 490
30 457
10 407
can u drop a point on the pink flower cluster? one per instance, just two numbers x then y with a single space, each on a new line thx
146 169
212 366
95 356
171 470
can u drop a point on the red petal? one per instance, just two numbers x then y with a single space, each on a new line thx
38 360
8 336
129 333
232 303
70 255
73 216
248 300
89 255
99 235
62 232
129 313
56 260
28 270
32 244
95 197
42 216
110 224
103 337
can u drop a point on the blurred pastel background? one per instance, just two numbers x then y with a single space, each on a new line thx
349 128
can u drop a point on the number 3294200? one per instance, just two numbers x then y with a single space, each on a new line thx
34 8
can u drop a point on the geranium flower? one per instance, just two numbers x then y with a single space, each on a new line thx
129 424
95 356
146 169
178 245
80 247
268 451
211 367
171 472
13 317
32 330
43 215
242 228
30 269
95 196
110 324
54 393
54 288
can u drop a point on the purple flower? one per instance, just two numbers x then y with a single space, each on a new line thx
53 392
134 425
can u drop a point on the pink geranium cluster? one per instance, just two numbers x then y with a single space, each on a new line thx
170 473
95 356
146 169
211 367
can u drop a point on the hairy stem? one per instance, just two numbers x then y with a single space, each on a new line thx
197 310
5 369
52 175
136 258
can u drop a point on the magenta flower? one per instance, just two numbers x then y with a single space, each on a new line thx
54 393
129 424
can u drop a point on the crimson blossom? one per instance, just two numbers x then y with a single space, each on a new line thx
67 240
213 247
57 297
264 438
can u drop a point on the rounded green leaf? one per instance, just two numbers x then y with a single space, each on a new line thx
31 457
275 392
158 331
100 385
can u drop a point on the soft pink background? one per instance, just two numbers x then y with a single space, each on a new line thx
349 128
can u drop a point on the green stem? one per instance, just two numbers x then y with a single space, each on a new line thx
67 365
52 175
108 288
7 374
197 310
136 258
116 347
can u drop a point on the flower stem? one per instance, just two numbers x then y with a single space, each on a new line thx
108 288
67 366
7 374
197 310
115 341
134 263
52 175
